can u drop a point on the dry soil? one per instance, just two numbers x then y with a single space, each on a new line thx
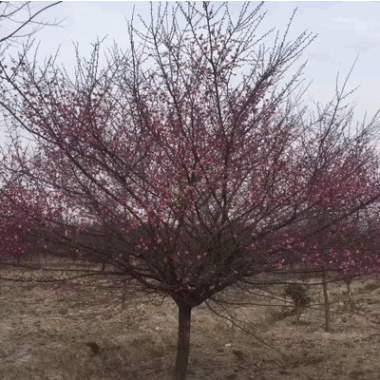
82 333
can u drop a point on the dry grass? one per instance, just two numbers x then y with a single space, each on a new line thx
45 334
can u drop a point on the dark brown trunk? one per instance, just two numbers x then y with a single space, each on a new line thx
350 300
327 304
124 294
183 348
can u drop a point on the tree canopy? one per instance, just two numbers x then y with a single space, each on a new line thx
194 173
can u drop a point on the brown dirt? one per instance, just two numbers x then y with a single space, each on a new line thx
45 334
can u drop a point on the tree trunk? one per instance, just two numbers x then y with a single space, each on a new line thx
350 300
327 304
124 294
183 348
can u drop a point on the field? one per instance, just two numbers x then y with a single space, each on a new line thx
80 333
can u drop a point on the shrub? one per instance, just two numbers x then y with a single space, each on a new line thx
299 295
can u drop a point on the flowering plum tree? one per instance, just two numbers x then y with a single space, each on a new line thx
186 155
18 21
11 229
328 239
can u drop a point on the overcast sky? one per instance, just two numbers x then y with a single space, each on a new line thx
345 30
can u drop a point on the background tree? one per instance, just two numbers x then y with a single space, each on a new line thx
185 156
330 240
19 21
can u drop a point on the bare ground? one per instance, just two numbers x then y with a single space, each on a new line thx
82 334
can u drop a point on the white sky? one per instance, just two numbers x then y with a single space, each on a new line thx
346 30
